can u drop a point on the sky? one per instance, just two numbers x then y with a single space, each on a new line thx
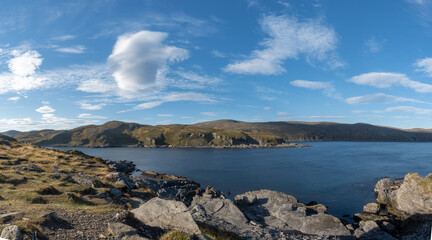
65 64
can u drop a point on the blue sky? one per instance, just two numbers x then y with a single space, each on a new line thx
69 63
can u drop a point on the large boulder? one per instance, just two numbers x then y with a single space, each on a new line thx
411 197
220 213
283 212
369 230
11 233
166 214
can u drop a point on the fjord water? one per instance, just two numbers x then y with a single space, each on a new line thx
340 175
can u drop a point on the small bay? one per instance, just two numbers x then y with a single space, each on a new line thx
340 175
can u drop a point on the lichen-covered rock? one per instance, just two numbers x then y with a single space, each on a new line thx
166 214
11 233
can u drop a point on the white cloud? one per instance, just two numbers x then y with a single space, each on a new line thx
191 80
88 106
14 99
379 98
138 58
267 108
289 38
86 115
409 109
311 84
374 45
64 37
210 114
74 50
218 54
327 87
45 109
96 86
165 115
386 80
424 65
282 113
148 105
24 64
174 97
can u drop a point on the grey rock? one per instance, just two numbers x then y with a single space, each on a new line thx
283 212
115 192
122 231
371 231
411 197
6 217
372 208
29 167
123 166
121 180
179 189
11 233
388 227
220 213
166 214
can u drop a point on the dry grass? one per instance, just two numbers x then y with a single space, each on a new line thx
37 191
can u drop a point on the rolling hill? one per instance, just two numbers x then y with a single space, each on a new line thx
220 133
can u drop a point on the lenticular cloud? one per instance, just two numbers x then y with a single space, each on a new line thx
137 58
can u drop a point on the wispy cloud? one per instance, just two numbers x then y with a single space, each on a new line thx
374 45
209 114
91 116
289 38
410 109
64 37
387 80
174 97
88 106
14 99
165 115
379 98
327 88
424 65
74 49
422 9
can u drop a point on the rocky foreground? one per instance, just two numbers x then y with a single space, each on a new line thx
53 194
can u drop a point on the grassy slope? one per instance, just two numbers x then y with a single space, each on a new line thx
22 190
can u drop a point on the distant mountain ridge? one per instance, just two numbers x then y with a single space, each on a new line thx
117 133
220 133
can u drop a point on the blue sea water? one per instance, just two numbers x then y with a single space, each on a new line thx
340 175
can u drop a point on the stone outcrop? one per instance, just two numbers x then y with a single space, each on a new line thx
177 189
405 199
283 212
166 214
121 180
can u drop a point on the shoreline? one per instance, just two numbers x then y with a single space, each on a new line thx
251 146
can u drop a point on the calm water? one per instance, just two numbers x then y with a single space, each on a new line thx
341 175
